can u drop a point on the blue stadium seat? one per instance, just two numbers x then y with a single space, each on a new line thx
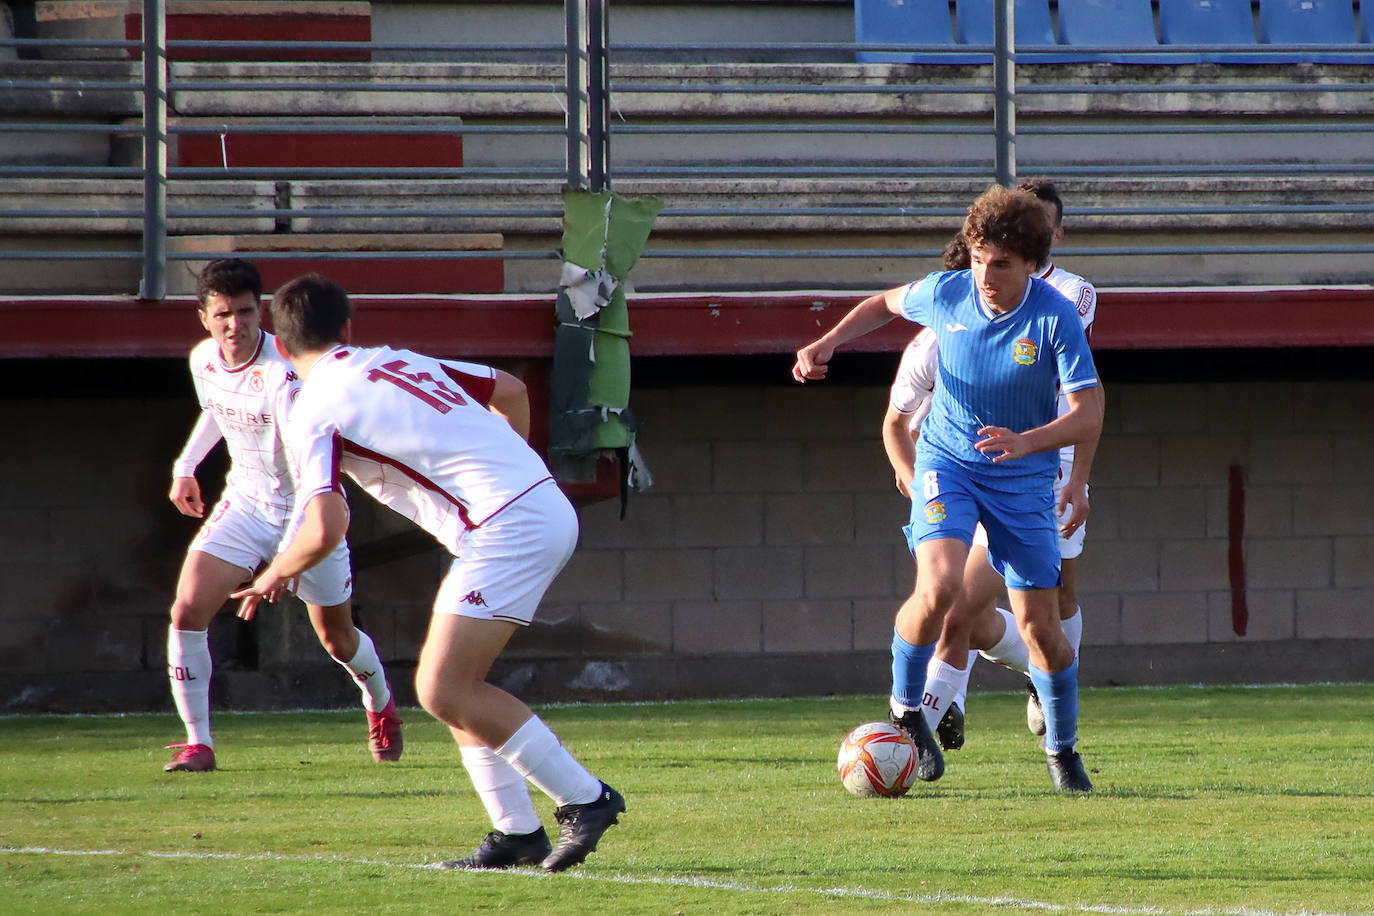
973 25
1311 22
1229 24
1306 22
1367 24
1087 24
915 22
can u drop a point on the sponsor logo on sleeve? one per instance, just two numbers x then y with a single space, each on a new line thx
1086 297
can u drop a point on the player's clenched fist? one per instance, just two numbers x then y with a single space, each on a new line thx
185 495
812 361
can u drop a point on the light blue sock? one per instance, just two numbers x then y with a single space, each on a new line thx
909 671
1059 700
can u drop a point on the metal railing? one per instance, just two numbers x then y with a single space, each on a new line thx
676 130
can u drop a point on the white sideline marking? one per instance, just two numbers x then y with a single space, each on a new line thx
855 892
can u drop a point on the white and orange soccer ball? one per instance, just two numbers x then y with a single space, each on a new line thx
877 759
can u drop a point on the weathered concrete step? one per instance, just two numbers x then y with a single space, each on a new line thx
209 20
93 206
274 142
384 266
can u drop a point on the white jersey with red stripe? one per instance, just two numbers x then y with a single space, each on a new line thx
415 433
914 382
1084 298
243 405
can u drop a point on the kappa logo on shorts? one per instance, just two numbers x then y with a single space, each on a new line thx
935 512
474 598
1025 352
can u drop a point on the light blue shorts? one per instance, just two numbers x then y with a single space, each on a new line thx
1018 514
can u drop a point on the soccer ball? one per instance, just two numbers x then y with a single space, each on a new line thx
877 758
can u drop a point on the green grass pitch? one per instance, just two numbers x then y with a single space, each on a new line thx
1209 801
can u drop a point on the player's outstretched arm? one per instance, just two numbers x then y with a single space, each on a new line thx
900 448
323 526
510 399
869 315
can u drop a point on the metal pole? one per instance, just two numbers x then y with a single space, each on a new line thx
576 83
599 94
154 281
1004 90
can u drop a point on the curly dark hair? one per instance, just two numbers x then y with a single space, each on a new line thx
1013 220
955 255
309 314
227 277
1045 190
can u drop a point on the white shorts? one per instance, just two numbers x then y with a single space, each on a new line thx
1071 547
240 533
508 563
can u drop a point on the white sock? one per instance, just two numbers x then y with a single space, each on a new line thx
369 674
188 672
1073 629
961 698
898 708
1011 648
943 683
502 790
536 752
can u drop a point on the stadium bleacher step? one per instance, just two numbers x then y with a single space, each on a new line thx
210 20
310 142
383 267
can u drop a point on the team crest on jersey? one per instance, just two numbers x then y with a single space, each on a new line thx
1025 352
935 512
256 383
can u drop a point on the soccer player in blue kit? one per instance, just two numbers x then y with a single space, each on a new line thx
989 452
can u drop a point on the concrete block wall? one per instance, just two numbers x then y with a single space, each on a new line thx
765 560
773 532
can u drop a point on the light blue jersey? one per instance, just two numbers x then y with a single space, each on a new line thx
996 370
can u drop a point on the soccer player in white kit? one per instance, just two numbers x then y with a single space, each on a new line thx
244 387
444 444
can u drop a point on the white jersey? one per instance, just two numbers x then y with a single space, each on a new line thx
415 433
914 383
1084 298
243 405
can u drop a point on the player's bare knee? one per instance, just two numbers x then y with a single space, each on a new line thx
192 615
939 594
1048 639
449 702
986 629
339 640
